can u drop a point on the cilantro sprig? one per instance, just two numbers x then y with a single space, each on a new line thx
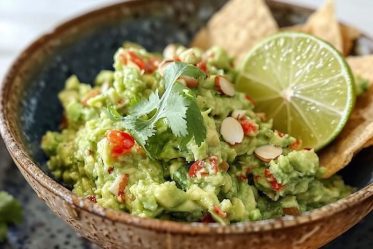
177 107
10 212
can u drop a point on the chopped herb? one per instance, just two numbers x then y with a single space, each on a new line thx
177 107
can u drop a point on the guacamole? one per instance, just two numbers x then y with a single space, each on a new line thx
243 170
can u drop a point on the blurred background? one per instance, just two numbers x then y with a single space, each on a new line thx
21 21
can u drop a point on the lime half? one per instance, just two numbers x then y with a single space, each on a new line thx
302 83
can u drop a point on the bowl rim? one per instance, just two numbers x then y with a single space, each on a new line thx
25 161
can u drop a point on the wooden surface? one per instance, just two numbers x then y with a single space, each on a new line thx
21 21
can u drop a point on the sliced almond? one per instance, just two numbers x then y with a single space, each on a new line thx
163 65
189 81
231 131
238 114
169 52
266 153
224 86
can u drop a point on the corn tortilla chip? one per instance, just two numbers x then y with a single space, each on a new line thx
349 35
362 66
358 132
237 27
296 28
324 24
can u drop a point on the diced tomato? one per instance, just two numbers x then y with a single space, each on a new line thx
149 65
267 173
92 198
276 186
296 145
201 167
197 166
249 127
219 212
203 66
249 98
136 59
120 142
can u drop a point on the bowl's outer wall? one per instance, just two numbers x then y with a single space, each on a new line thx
84 49
115 235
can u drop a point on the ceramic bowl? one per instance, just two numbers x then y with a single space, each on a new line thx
85 45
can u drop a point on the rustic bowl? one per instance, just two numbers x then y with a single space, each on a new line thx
83 46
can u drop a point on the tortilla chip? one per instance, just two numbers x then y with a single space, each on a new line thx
349 35
362 66
358 132
324 24
237 27
295 28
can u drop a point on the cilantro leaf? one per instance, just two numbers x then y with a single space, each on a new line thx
194 121
10 212
176 112
147 106
178 108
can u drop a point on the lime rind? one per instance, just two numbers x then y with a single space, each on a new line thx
276 86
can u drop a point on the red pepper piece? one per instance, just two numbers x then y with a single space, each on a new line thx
276 186
219 212
296 145
249 98
197 166
249 127
137 60
203 66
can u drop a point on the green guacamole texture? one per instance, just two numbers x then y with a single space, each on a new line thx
231 184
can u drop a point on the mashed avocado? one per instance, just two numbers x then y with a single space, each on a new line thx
226 178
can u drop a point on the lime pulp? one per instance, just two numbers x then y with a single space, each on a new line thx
302 83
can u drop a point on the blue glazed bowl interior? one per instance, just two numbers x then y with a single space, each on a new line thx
153 26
